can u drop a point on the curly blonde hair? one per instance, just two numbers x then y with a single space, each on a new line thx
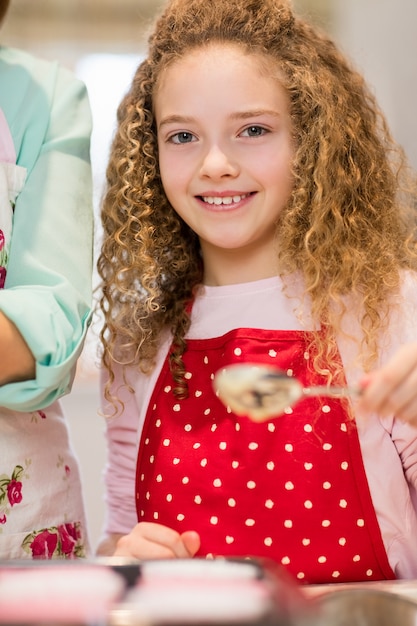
348 228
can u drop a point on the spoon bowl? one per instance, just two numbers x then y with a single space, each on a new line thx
263 391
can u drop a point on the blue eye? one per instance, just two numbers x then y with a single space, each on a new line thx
182 137
254 131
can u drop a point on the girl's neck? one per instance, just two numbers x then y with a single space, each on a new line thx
231 267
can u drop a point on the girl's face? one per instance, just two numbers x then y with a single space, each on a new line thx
225 154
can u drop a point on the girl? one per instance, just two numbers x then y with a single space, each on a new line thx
254 213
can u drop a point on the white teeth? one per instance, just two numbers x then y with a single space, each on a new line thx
226 200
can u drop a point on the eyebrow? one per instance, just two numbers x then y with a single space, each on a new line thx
243 115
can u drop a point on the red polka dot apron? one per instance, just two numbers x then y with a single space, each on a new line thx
292 489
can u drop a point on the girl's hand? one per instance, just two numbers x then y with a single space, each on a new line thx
392 389
155 541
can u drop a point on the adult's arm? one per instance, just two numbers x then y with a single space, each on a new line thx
48 289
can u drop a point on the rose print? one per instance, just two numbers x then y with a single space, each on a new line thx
2 277
44 545
14 492
62 541
11 489
2 239
3 519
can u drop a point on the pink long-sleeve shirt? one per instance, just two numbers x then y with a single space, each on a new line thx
389 447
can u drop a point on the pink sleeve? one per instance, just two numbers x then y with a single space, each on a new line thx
120 469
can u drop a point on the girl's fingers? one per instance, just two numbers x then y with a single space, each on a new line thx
149 541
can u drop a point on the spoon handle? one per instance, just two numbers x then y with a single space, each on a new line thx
331 392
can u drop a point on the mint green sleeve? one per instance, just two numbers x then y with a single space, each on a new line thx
48 291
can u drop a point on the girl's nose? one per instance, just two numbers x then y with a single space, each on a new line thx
217 164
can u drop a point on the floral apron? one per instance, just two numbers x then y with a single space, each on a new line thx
41 508
292 489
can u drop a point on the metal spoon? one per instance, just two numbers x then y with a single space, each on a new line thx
263 391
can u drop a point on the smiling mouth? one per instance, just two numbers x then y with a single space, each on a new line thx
226 200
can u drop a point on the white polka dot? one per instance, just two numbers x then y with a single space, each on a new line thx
325 523
231 502
197 499
342 541
300 575
188 375
343 428
342 504
268 541
147 441
251 484
269 504
288 523
229 539
306 542
271 427
335 574
289 486
288 410
253 446
250 522
306 356
159 478
308 466
344 465
153 407
237 351
325 408
167 389
213 428
176 408
158 423
185 480
205 360
235 464
356 558
289 447
270 466
209 555
361 523
322 559
180 517
308 504
151 459
142 513
169 497
188 428
222 445
148 495
272 353
327 485
196 446
308 428
217 482
369 572
175 461
166 442
198 393
142 477
285 560
327 446
237 427
214 520
156 515
290 372
203 462
207 411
